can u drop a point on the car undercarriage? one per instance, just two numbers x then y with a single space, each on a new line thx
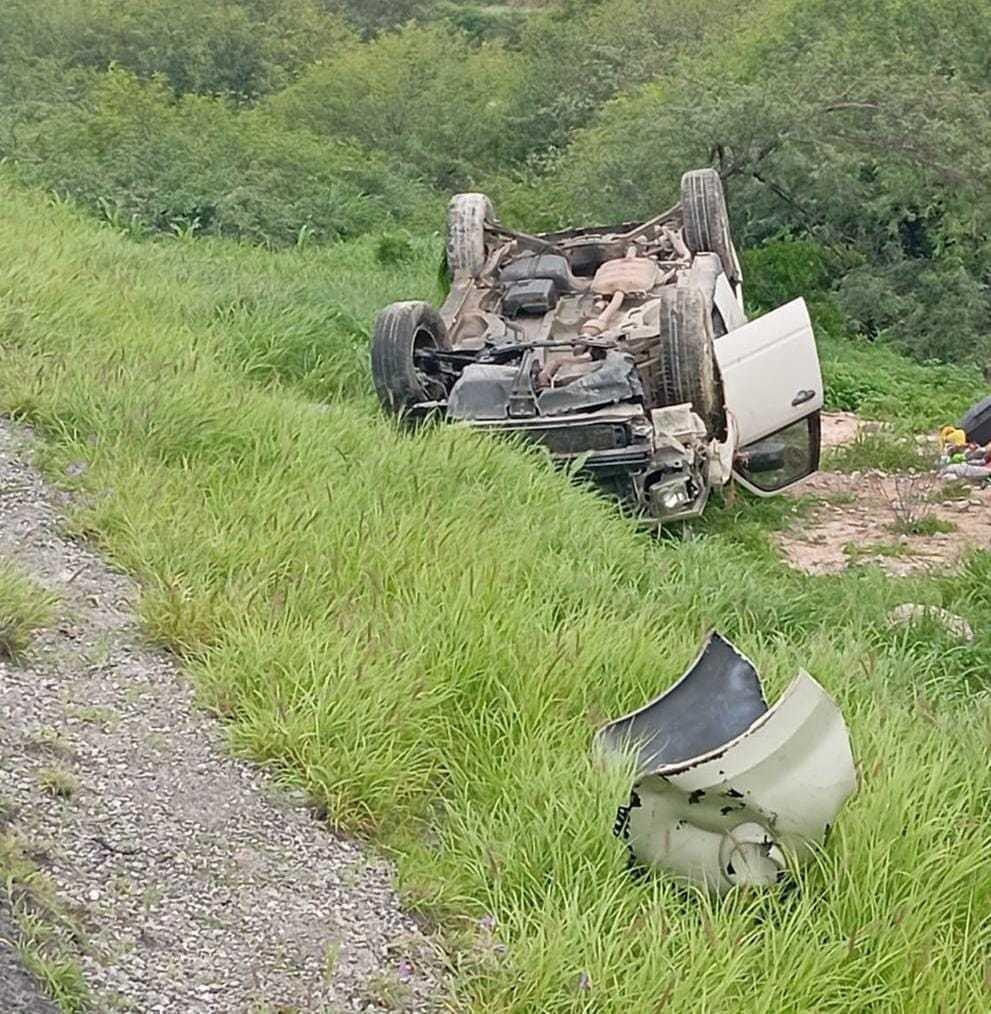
599 344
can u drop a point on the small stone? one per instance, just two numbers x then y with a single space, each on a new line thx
153 850
911 612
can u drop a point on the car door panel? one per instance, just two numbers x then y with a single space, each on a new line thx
773 389
770 371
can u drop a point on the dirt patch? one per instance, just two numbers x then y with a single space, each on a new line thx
200 885
841 428
853 523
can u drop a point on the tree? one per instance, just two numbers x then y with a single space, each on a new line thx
237 48
862 132
423 96
371 16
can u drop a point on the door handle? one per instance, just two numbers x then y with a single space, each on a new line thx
802 397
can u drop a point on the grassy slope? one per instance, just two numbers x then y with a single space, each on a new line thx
424 630
878 383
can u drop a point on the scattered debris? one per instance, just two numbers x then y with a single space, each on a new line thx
728 792
976 424
912 612
966 449
970 471
899 521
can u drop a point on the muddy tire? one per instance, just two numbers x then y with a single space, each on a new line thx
466 218
401 331
680 364
706 220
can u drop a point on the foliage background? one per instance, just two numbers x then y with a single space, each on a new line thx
859 130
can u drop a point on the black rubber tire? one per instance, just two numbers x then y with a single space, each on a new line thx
401 329
705 218
466 218
682 364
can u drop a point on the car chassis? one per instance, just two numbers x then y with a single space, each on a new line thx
625 351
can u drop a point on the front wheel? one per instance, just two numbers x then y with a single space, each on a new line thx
403 337
686 368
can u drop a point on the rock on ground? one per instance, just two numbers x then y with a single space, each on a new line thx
201 887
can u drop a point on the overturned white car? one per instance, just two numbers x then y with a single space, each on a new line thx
728 791
625 350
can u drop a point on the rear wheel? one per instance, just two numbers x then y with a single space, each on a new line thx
679 365
466 218
403 337
706 220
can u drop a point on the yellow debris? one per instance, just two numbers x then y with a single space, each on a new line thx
950 436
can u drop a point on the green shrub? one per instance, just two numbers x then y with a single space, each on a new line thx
423 97
576 56
394 248
934 309
236 48
484 23
885 450
880 383
371 16
141 158
24 607
782 270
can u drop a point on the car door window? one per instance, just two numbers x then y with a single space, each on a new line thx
781 459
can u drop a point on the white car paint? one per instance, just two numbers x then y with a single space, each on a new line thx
749 810
730 308
770 371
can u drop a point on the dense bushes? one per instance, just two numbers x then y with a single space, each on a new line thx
423 96
236 48
854 129
151 163
577 56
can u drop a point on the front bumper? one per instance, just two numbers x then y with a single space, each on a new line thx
729 792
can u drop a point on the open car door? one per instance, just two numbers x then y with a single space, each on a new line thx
773 392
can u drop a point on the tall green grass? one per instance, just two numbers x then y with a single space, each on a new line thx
425 630
24 607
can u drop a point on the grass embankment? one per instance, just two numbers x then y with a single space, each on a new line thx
425 630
